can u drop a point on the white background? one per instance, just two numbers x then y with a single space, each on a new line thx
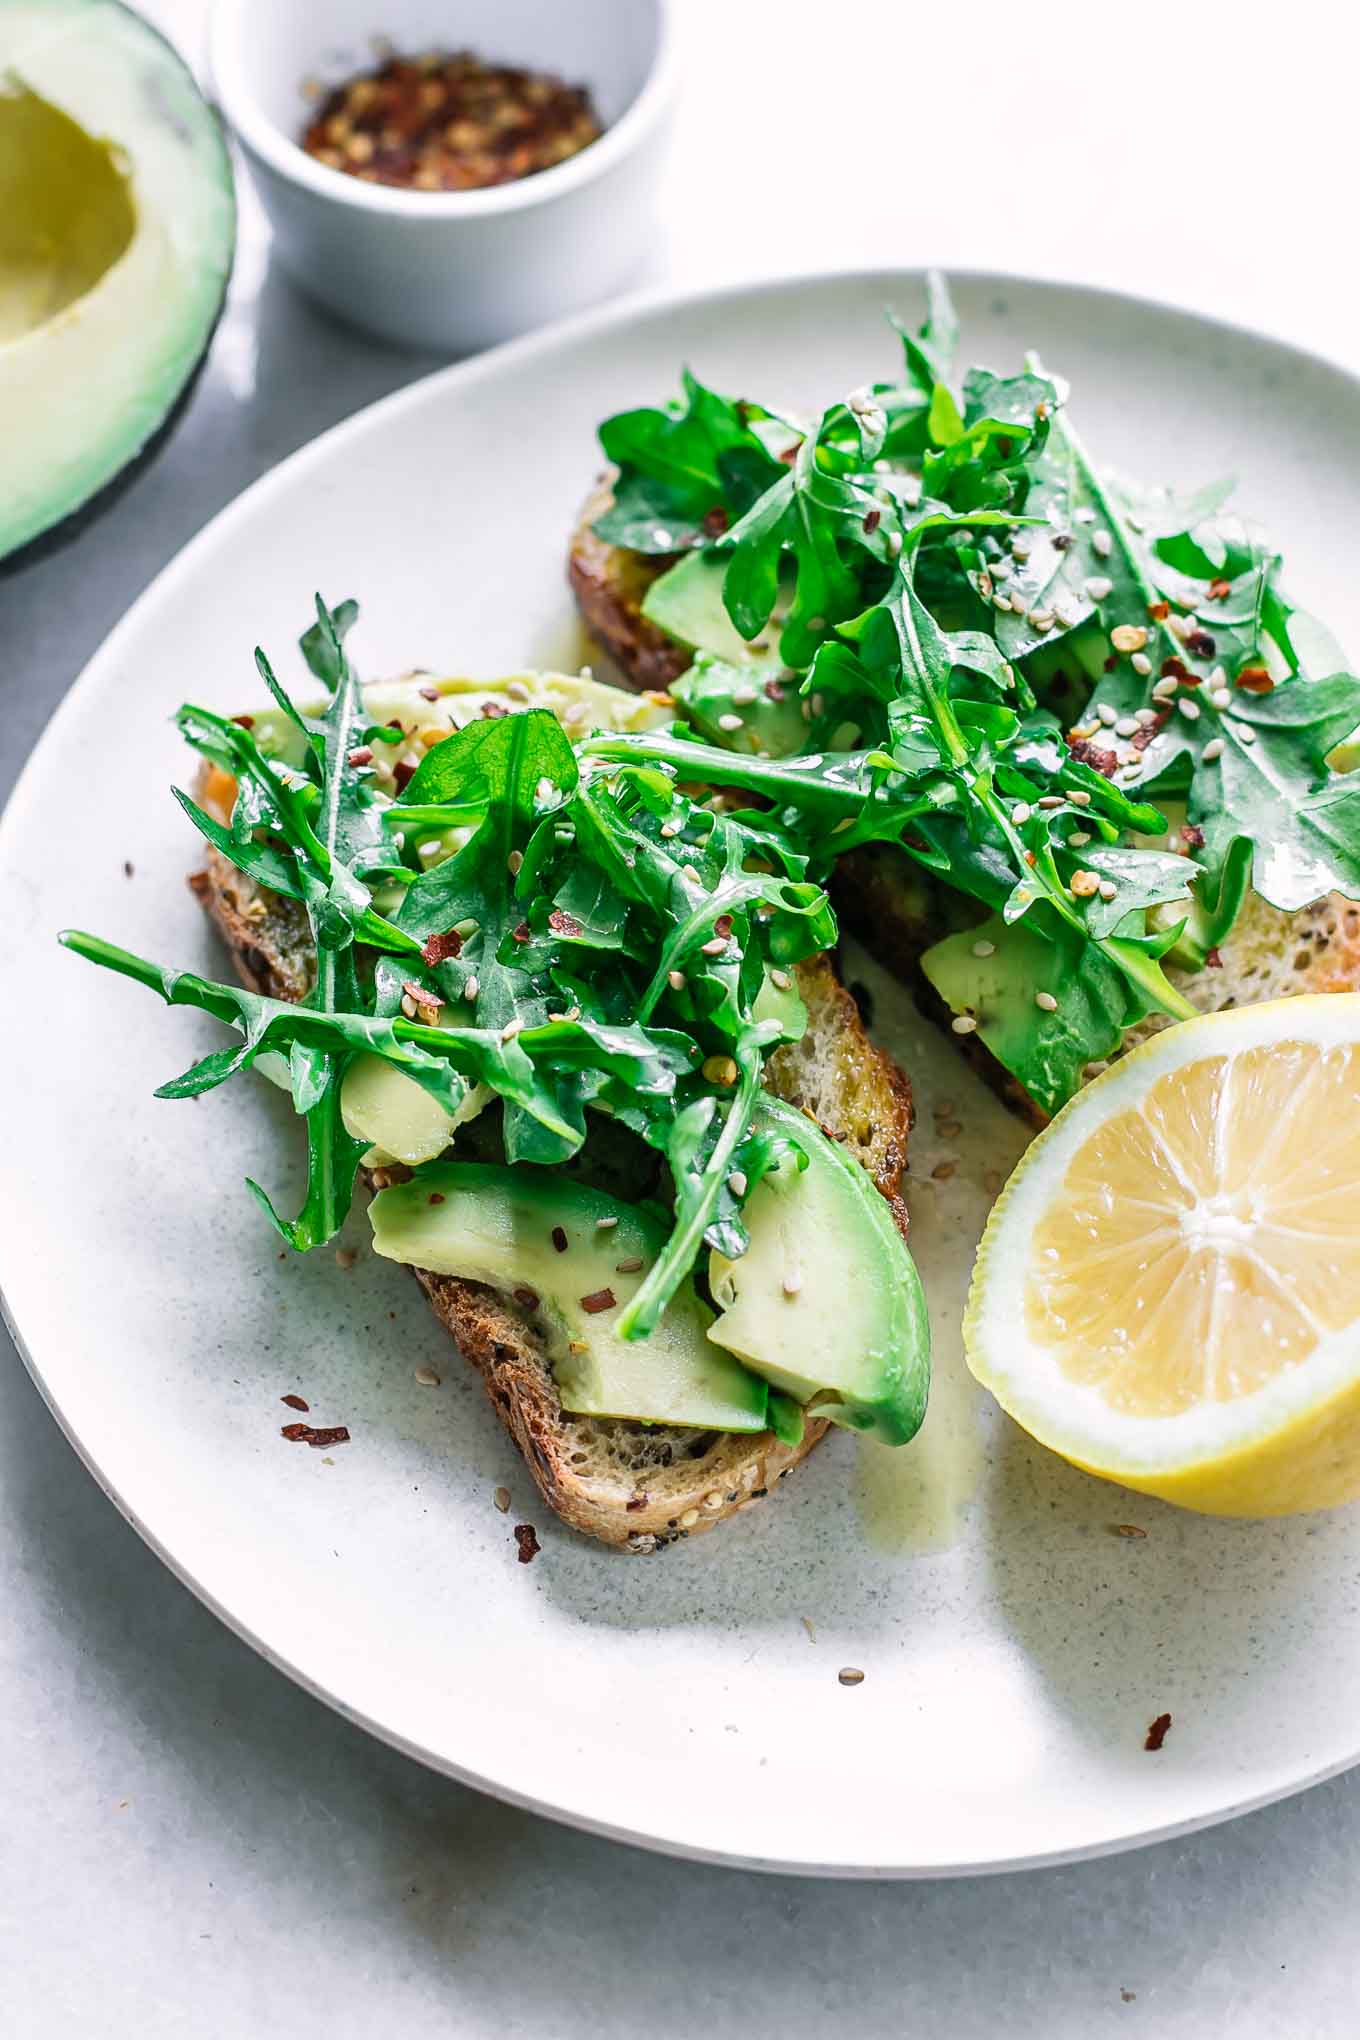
189 1846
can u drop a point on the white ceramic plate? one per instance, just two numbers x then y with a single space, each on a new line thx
1014 1648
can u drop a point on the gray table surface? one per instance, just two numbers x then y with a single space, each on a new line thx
192 1846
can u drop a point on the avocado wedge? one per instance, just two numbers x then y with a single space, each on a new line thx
826 1303
117 227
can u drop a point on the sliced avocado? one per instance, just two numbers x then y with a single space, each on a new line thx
117 225
686 602
426 702
826 1302
783 1003
770 707
536 1235
400 1120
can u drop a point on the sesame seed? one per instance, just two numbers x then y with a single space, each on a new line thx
1221 697
1098 587
1144 716
1046 1002
517 690
781 980
1141 664
512 1028
713 1501
1189 709
544 791
1101 544
984 949
850 1675
963 1023
817 702
1020 550
502 1499
689 1519
715 946
1041 619
1108 888
427 1377
1164 689
942 1171
1109 716
1127 726
688 871
606 1224
669 829
676 980
1083 729
729 722
743 697
1002 568
793 1281
1084 516
471 989
1213 749
630 1266
408 1005
1244 733
513 862
894 544
575 712
1080 797
1049 800
1084 884
736 1183
1021 812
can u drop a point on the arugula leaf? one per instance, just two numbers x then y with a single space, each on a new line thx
682 470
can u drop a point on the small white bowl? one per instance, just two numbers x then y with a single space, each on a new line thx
452 270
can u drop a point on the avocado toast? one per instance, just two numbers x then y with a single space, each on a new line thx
1068 755
576 1027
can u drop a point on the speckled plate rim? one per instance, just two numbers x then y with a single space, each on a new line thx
14 819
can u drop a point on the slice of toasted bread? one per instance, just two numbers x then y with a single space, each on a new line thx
882 897
633 1485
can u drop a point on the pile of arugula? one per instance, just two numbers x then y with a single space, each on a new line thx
1008 665
599 941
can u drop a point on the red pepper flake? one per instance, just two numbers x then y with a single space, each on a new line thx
247 722
421 995
1212 959
320 1438
723 925
127 867
1099 760
526 1298
872 520
636 1502
1200 645
1145 733
428 693
436 1197
715 521
598 1300
1159 611
520 933
439 948
1192 835
1127 1530
494 710
403 774
1156 1734
1029 857
526 1537
295 1402
1220 590
1175 669
1254 680
559 1239
1110 664
362 754
396 724
563 923
1003 447
774 690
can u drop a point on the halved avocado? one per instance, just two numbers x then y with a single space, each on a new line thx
117 227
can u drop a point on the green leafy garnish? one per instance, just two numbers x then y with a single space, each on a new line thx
1011 668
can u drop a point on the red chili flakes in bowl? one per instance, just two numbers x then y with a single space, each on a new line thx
449 122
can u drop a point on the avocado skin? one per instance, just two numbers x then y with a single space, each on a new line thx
71 524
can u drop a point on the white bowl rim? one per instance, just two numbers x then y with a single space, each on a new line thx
263 138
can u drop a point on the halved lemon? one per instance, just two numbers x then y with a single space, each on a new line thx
1168 1290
